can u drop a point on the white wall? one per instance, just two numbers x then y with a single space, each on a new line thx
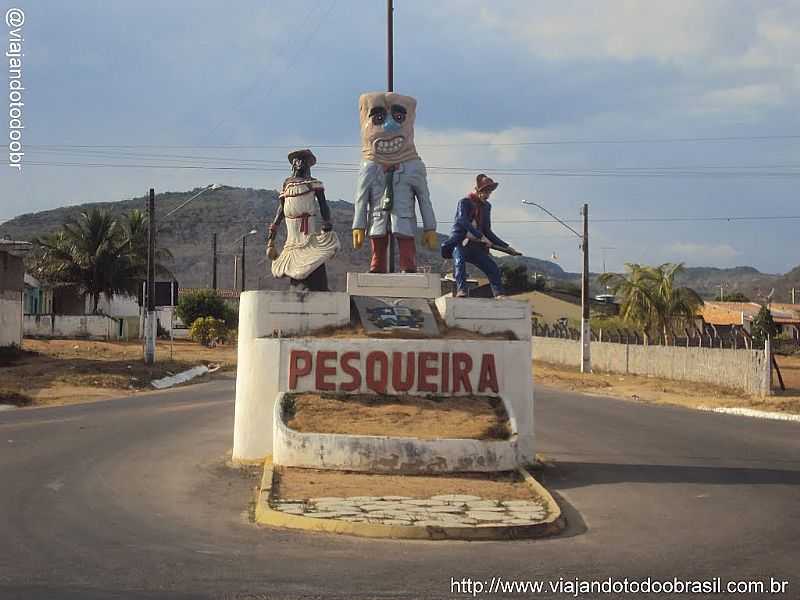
118 306
71 326
10 318
746 370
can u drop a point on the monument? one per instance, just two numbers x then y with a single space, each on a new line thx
390 334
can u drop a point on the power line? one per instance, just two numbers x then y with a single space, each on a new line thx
644 174
595 220
676 140
256 161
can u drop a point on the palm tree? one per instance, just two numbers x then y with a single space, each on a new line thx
650 300
136 229
677 303
97 255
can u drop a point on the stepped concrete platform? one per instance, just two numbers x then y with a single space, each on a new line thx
395 285
487 315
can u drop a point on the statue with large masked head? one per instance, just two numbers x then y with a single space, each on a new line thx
392 180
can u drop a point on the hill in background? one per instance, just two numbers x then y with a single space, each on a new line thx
233 211
230 212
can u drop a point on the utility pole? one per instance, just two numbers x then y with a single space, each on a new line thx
390 45
586 333
390 255
150 321
235 272
214 263
793 290
603 250
721 293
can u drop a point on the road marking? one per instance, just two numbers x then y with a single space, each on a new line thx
758 414
190 406
42 422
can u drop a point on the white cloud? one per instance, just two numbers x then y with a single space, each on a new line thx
708 43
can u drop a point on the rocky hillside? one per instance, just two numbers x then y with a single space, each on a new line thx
230 212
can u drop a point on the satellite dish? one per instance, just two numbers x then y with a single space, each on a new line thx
771 294
554 256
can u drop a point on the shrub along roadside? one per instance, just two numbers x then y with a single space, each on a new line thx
205 303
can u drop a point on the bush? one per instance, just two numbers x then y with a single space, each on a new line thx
208 331
205 303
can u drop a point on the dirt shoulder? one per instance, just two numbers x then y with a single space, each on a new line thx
54 372
666 391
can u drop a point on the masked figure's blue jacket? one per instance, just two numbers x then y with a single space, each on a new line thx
410 184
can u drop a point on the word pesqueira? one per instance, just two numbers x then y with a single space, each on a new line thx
420 372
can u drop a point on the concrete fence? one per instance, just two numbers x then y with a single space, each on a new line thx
745 370
100 327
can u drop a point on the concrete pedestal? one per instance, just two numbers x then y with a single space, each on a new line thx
270 363
263 315
486 315
395 285
358 366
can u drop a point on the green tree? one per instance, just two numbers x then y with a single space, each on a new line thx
763 326
136 233
97 254
205 303
516 279
651 301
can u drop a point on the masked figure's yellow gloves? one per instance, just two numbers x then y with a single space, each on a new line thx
358 238
429 238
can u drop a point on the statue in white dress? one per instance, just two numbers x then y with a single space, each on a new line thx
310 241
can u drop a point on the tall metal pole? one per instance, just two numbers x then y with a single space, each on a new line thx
244 248
390 87
150 322
235 271
389 45
214 263
586 334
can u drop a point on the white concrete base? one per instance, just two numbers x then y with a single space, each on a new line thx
486 315
266 313
395 285
354 365
381 454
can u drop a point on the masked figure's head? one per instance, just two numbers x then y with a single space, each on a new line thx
387 127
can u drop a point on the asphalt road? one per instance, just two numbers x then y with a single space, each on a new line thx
132 499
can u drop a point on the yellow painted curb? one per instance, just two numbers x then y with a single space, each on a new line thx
265 515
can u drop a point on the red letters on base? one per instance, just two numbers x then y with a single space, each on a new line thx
433 372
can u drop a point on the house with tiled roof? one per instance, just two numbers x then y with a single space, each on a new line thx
786 316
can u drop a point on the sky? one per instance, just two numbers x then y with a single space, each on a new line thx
682 111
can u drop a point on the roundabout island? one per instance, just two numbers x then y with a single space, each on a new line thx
406 416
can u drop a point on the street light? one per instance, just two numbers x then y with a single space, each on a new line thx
208 188
150 322
586 335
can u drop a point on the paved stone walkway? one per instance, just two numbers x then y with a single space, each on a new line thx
439 511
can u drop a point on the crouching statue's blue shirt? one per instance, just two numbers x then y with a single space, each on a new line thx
473 220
